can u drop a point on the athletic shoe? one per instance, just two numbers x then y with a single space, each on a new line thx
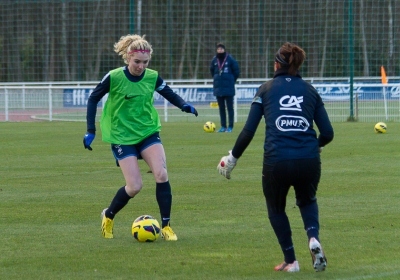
107 225
168 234
229 129
288 267
317 254
222 129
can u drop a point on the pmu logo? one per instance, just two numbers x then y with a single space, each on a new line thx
291 103
292 123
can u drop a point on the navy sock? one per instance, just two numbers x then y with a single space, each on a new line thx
309 214
164 199
119 201
289 255
280 224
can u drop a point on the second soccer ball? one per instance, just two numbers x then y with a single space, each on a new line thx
209 126
380 127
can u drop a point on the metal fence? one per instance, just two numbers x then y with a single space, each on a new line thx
369 100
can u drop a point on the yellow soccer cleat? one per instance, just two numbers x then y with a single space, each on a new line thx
107 225
168 234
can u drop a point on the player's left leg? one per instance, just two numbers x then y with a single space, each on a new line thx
276 184
154 155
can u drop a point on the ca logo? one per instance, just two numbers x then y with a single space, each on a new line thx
291 103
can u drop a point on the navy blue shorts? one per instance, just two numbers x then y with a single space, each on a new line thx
123 151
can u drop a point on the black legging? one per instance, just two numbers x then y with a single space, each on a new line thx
304 176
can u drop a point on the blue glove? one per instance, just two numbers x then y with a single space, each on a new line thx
189 109
88 139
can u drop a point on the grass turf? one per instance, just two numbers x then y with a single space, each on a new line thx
52 192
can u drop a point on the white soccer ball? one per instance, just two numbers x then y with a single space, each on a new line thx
380 127
146 229
209 127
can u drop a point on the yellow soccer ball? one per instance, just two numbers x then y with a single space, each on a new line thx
146 229
209 127
380 127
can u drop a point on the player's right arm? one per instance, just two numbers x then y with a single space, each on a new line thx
249 129
212 70
228 163
98 93
101 89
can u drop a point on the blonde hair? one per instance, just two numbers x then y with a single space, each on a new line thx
131 43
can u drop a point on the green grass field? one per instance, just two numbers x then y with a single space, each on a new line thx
53 191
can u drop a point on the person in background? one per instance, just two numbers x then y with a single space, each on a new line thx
225 71
131 124
290 107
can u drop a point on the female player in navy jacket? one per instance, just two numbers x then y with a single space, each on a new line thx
292 149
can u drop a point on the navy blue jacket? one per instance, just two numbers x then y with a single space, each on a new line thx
290 106
224 79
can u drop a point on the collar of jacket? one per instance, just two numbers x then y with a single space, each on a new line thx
284 71
221 56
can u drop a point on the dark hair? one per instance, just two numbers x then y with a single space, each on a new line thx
220 45
290 56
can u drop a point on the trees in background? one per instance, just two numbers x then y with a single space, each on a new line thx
72 40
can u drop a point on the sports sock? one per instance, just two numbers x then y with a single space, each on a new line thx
289 254
309 214
280 224
119 201
164 199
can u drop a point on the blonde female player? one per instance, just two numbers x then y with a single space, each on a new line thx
131 124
